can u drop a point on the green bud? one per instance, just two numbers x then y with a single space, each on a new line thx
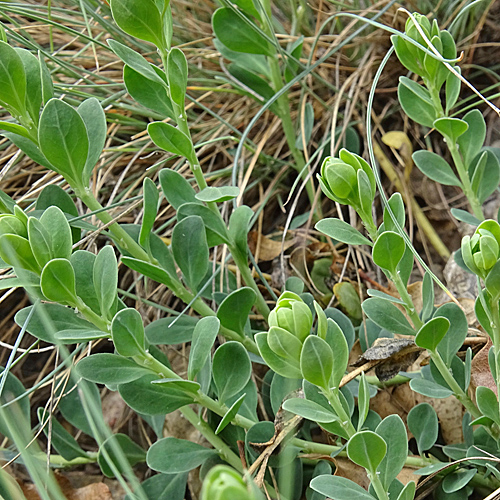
224 483
340 180
293 315
481 251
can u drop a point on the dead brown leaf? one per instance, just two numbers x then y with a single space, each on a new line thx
93 491
346 468
268 249
480 371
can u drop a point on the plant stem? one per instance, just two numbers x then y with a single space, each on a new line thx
221 447
242 264
465 180
457 159
377 486
124 240
346 423
459 393
495 312
406 298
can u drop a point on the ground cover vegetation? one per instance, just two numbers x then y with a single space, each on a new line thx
222 276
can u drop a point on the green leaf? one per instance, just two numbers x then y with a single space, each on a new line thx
62 441
162 331
164 487
283 367
406 56
310 410
12 78
63 140
230 414
150 210
218 194
176 188
487 402
388 250
408 492
453 84
235 308
15 251
127 331
455 336
285 344
457 480
492 282
14 128
316 361
127 450
239 225
140 19
470 142
151 271
367 449
33 83
429 336
363 401
40 240
171 139
135 61
435 167
429 388
451 128
58 281
423 424
342 231
339 488
18 412
485 175
53 195
49 319
93 117
190 249
238 33
147 92
179 383
153 399
427 297
174 456
72 408
387 315
76 336
177 74
106 368
105 276
338 343
416 102
30 148
393 431
56 224
215 228
204 335
231 369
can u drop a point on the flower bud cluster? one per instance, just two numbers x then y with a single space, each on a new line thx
482 251
349 180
